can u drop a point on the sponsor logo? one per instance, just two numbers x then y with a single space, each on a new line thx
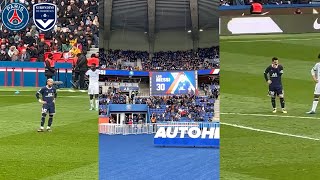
253 25
316 25
193 132
274 75
45 16
15 16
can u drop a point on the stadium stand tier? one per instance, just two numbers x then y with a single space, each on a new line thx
76 31
203 58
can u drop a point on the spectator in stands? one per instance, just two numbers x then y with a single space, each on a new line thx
15 56
29 40
12 51
66 47
84 42
25 56
74 51
34 32
33 51
3 53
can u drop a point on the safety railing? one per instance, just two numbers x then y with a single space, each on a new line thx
149 128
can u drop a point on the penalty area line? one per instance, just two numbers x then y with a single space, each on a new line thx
270 132
270 115
271 40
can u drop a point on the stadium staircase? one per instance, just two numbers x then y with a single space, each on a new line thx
92 50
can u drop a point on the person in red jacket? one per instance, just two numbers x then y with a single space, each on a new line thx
49 67
256 7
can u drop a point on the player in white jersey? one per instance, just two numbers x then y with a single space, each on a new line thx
93 89
315 72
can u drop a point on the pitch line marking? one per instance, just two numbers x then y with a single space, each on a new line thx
270 132
271 40
270 115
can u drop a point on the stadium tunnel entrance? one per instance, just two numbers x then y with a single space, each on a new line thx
128 113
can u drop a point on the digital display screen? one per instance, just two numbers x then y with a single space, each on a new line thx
173 83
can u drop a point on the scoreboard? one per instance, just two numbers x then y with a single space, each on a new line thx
173 83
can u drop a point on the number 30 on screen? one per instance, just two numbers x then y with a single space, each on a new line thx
161 87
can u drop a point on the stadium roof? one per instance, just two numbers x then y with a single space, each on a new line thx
169 14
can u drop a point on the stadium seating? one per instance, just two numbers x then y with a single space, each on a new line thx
186 108
205 113
204 58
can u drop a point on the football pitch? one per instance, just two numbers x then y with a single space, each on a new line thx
70 151
257 144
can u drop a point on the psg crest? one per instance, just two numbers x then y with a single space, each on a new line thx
15 16
45 16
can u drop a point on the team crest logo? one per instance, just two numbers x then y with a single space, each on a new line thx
44 16
15 16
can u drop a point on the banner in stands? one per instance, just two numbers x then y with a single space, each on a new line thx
270 24
173 83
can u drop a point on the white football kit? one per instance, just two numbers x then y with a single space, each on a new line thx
93 81
316 71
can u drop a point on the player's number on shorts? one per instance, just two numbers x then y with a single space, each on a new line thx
161 87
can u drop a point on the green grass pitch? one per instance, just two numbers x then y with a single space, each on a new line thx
70 151
250 153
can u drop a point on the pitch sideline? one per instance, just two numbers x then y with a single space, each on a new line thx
270 115
270 132
271 40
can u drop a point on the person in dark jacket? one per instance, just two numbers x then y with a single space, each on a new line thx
49 67
81 68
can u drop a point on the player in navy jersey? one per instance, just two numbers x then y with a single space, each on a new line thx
47 99
273 75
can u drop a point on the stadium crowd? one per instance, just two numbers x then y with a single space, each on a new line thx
212 88
75 32
175 108
166 108
204 58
